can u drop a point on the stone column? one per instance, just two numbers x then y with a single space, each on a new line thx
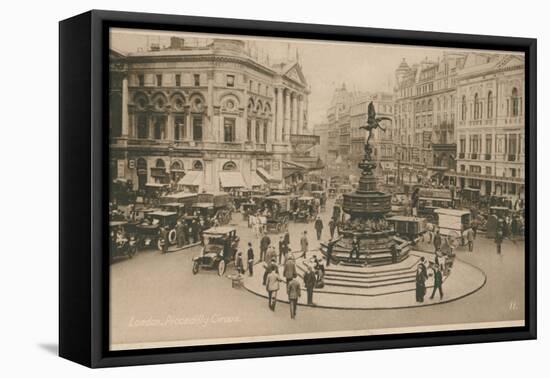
279 122
169 127
124 107
209 126
286 127
300 115
294 100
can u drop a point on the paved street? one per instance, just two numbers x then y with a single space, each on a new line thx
156 298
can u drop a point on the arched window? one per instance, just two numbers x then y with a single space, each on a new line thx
515 102
463 110
160 163
176 166
476 106
490 105
229 166
197 165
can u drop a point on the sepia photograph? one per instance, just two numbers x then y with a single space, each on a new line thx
267 189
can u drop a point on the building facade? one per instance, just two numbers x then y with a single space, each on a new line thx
425 111
188 112
491 124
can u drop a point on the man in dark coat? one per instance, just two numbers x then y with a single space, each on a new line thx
421 277
180 234
287 239
304 244
354 248
332 227
290 269
164 239
309 281
282 250
499 237
264 244
250 259
438 282
319 227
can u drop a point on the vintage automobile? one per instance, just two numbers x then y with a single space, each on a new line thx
148 231
153 192
496 213
452 223
409 228
188 199
278 214
242 195
175 207
431 199
123 243
469 196
322 197
220 246
306 210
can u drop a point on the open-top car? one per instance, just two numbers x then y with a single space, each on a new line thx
220 246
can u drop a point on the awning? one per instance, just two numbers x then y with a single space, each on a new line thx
265 175
191 178
256 180
232 180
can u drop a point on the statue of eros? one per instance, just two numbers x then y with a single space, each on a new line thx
373 122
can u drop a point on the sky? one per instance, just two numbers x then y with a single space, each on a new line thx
325 64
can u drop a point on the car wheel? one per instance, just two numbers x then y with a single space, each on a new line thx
159 245
221 268
196 267
172 237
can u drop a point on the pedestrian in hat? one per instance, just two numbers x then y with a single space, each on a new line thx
319 227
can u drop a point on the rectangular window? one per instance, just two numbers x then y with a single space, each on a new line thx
197 80
178 80
488 144
249 130
142 128
229 129
141 80
179 128
257 132
197 128
230 80
488 171
462 145
159 80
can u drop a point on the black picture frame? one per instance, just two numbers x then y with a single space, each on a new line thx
83 196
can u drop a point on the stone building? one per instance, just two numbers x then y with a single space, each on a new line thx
188 113
491 124
425 109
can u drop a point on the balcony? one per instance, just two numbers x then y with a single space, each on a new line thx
473 156
487 156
